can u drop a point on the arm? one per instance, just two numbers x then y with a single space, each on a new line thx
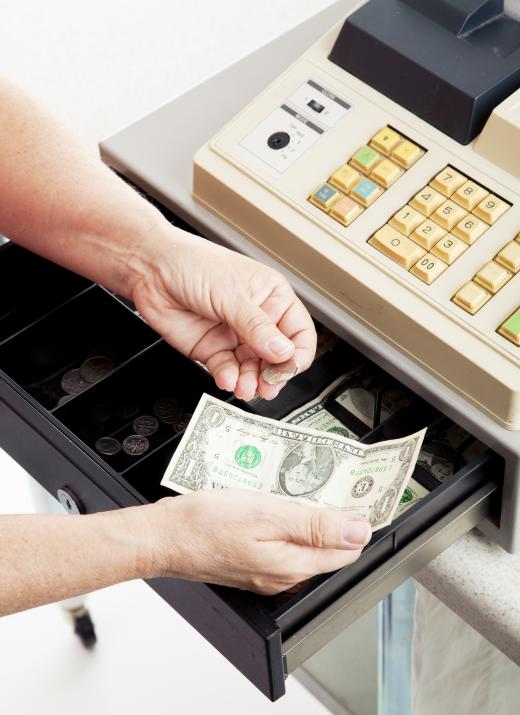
59 200
236 538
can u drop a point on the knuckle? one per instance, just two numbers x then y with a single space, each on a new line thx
254 323
317 528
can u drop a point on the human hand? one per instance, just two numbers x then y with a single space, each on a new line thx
231 313
249 540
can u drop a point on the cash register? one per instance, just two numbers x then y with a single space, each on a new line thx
372 155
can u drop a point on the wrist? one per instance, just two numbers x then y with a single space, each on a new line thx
148 259
149 530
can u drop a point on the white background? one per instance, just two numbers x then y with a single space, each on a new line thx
99 65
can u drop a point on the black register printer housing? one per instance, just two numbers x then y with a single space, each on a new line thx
450 62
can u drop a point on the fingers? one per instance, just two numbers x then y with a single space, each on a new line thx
322 528
250 381
256 328
225 369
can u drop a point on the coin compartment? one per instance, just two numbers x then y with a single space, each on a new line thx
359 373
30 287
109 408
92 323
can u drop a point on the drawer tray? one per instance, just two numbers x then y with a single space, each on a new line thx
264 637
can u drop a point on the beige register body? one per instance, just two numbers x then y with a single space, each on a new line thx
247 186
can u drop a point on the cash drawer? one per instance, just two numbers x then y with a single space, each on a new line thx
83 366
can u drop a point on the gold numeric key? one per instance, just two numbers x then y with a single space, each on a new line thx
428 234
470 229
449 248
469 195
406 220
428 268
448 215
448 181
427 201
396 246
491 209
471 297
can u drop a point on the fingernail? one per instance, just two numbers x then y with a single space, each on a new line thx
357 533
279 345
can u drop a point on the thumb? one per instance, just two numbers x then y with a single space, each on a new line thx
259 332
328 529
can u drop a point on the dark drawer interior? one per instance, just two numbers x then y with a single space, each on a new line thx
149 379
30 286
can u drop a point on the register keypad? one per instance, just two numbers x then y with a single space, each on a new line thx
443 220
366 175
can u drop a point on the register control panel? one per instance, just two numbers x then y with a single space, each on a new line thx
410 231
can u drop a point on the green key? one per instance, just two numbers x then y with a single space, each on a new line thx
511 328
366 159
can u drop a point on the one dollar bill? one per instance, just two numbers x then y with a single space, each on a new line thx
224 447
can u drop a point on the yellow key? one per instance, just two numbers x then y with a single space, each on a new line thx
428 234
396 246
491 209
427 201
448 215
345 211
509 257
428 268
406 154
344 178
406 220
448 181
386 140
449 248
469 195
470 229
493 277
471 297
510 329
386 173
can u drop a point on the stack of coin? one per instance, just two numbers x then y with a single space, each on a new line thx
91 370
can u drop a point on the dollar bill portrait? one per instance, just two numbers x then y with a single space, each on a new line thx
305 470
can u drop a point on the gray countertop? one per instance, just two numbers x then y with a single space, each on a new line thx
480 582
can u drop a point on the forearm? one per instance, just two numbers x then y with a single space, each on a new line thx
46 558
58 199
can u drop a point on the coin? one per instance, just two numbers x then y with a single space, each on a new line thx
168 410
95 368
108 446
64 399
276 374
72 383
181 424
145 425
135 445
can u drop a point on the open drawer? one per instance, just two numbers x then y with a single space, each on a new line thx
71 435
